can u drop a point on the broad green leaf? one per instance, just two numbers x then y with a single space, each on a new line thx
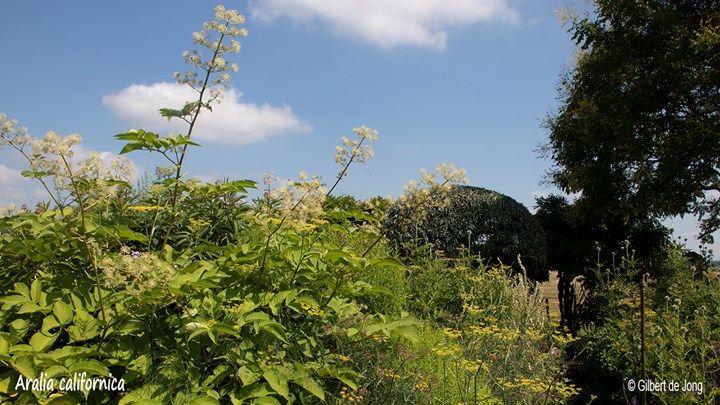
352 332
128 136
204 400
409 332
4 345
277 300
131 147
41 342
145 395
195 329
22 289
63 312
221 329
311 386
171 113
49 323
254 391
386 262
12 300
85 326
33 175
25 365
247 376
62 399
8 380
29 308
266 401
19 327
90 366
113 182
90 225
67 352
190 108
56 371
277 382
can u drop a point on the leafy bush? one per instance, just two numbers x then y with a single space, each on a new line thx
488 223
181 292
681 331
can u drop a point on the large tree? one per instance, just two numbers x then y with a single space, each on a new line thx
637 133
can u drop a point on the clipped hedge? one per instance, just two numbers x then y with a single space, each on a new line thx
491 224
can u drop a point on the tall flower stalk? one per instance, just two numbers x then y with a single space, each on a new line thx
208 77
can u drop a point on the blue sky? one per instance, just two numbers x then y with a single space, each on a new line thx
460 81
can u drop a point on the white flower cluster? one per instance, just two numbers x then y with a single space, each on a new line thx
352 150
431 190
136 272
10 134
52 157
212 37
299 200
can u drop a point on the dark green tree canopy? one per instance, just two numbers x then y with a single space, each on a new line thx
491 224
637 132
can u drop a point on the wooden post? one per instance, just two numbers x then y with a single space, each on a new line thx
643 283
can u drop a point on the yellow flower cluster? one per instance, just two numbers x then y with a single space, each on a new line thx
350 396
495 331
537 385
143 208
534 334
473 309
453 333
422 383
198 222
422 386
442 349
269 359
312 309
629 302
380 338
473 366
387 373
563 339
340 357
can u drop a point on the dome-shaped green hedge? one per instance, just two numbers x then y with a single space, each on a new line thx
494 225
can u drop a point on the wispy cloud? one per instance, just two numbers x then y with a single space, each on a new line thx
390 23
230 122
17 189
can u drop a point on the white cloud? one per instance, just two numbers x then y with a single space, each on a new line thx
16 189
230 122
390 22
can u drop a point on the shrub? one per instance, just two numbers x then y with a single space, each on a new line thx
490 224
682 332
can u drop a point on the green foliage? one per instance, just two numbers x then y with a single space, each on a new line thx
491 224
681 333
181 292
636 130
580 239
142 140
